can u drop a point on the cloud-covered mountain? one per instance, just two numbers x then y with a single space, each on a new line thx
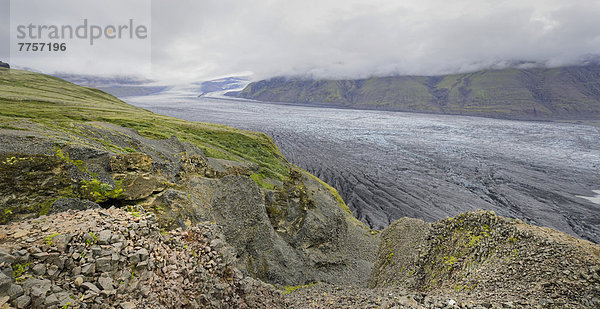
536 93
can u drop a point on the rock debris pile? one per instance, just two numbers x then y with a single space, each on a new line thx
113 258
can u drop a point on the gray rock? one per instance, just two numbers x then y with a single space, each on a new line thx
78 281
22 256
106 252
76 271
52 270
39 269
106 283
5 282
37 287
143 253
127 305
51 300
14 291
57 259
97 251
90 286
61 242
134 258
88 269
508 305
42 256
65 204
104 237
64 299
6 257
22 302
104 264
217 243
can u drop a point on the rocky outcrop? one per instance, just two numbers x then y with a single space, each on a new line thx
481 256
291 233
401 247
65 204
4 65
116 259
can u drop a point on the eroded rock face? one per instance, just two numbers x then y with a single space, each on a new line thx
479 255
400 249
131 162
291 233
65 204
319 243
29 183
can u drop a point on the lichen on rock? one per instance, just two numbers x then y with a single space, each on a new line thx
481 256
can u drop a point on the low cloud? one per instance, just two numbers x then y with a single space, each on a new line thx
195 40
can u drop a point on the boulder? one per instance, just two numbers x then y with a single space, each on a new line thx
132 162
4 65
64 204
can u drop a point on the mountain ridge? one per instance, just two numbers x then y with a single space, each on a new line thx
526 94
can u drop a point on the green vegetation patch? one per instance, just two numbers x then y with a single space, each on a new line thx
290 289
59 106
98 191
49 239
20 271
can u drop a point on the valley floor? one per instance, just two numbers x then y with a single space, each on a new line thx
387 165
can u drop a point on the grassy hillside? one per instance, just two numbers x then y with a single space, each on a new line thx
57 104
558 93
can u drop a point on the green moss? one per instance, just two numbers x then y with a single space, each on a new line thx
19 271
289 289
449 261
60 107
48 240
7 215
44 207
14 160
98 191
389 257
260 179
9 127
464 287
92 240
515 253
134 211
67 159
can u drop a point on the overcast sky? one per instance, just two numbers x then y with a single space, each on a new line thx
195 40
